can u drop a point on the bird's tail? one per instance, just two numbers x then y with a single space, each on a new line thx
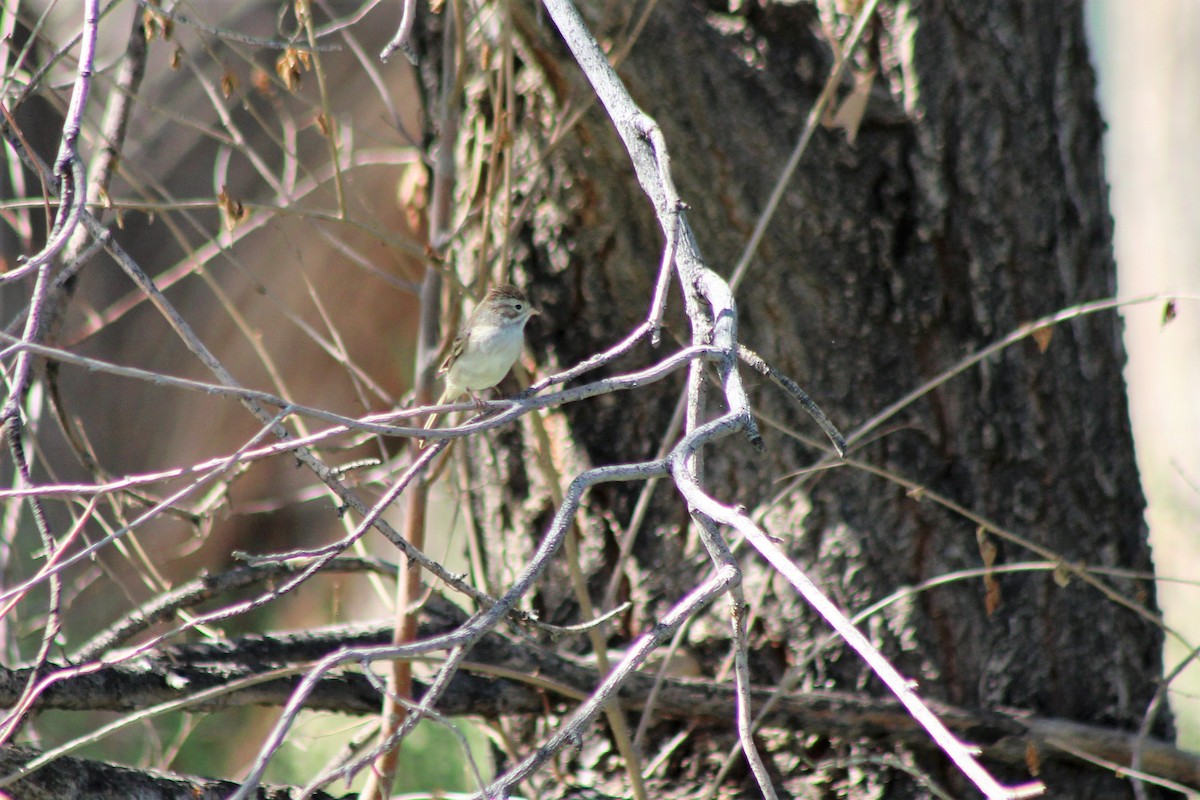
433 418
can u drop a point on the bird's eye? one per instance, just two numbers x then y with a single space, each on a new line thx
517 306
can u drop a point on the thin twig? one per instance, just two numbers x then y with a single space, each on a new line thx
959 753
796 393
394 718
461 638
400 42
72 190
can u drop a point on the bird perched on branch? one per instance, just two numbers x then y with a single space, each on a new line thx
486 346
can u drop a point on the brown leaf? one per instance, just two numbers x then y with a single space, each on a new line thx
291 65
988 552
987 548
991 596
303 9
232 211
229 83
324 124
850 113
502 138
1042 336
156 25
1033 759
1169 312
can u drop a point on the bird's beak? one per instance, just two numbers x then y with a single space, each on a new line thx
533 312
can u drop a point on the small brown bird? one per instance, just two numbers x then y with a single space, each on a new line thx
486 346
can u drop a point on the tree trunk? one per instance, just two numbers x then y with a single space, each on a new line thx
972 202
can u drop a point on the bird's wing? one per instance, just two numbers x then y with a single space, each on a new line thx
456 349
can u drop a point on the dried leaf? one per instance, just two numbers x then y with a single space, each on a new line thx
987 548
850 113
991 594
232 211
261 80
291 65
1033 759
502 138
229 83
1042 337
413 196
1169 312
324 124
156 25
177 58
991 587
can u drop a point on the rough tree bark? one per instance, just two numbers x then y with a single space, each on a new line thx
972 202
